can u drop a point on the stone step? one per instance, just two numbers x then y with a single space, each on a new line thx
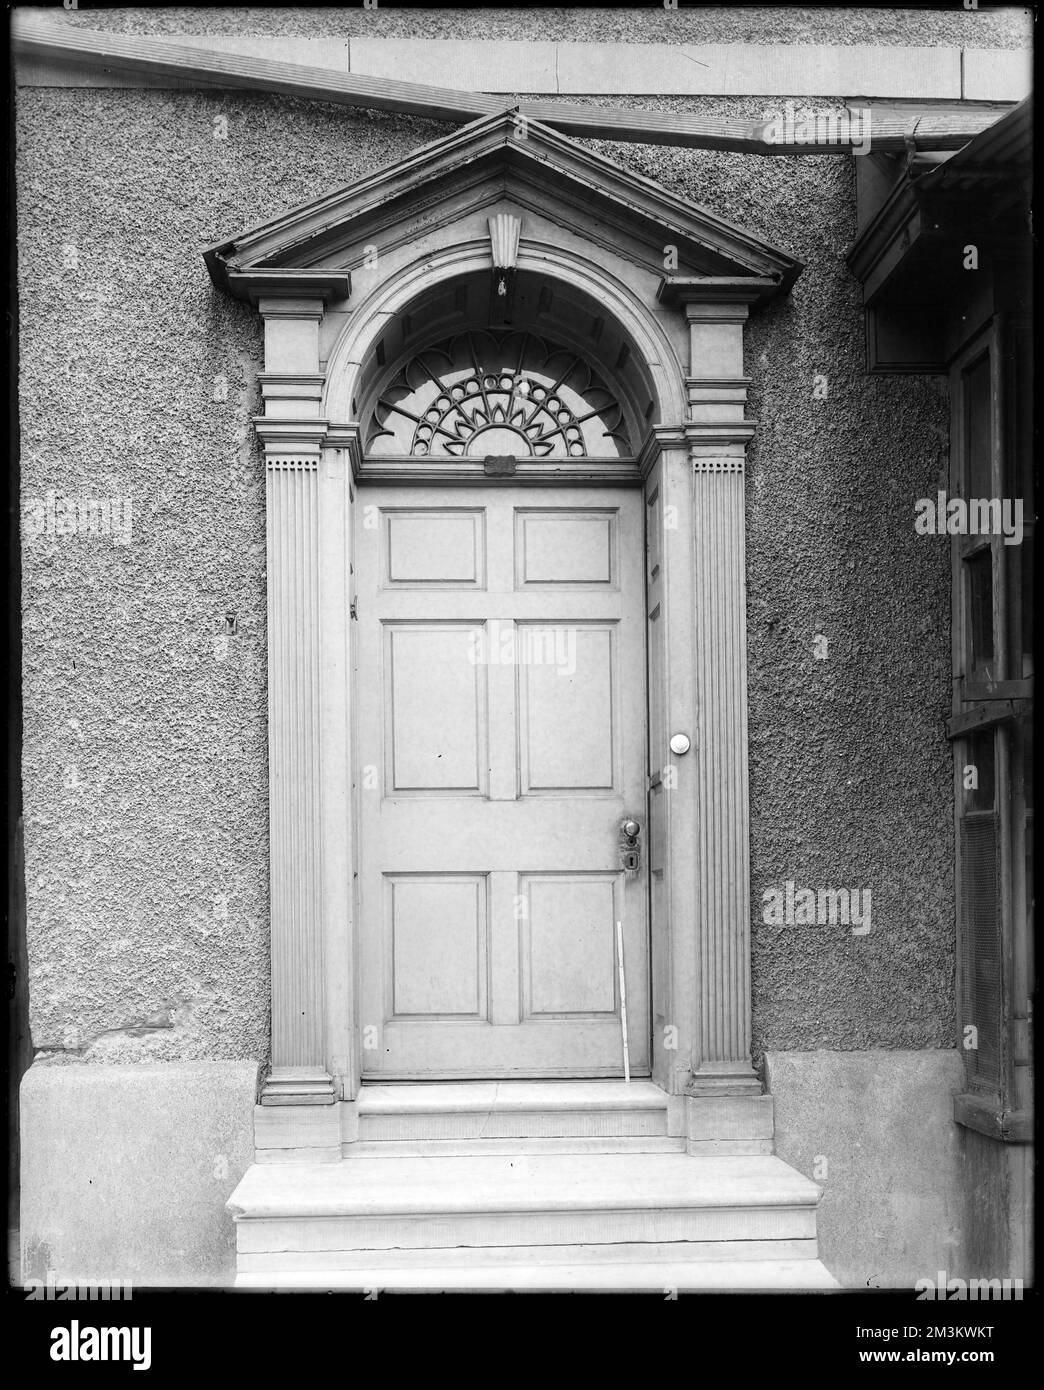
465 1148
428 1204
750 1276
476 1258
511 1110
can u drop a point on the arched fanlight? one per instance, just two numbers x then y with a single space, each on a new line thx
482 393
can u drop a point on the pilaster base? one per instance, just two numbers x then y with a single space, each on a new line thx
297 1134
298 1086
724 1079
736 1124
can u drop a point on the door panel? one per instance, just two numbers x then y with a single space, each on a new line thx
436 947
565 547
436 709
501 732
569 944
566 707
435 547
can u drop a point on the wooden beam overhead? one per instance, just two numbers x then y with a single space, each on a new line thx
893 127
130 53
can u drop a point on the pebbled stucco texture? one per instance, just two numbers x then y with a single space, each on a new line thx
652 23
145 730
850 772
145 754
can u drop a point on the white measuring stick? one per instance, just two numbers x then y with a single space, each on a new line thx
623 1002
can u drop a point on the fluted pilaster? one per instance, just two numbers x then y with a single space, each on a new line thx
722 1058
717 434
298 1043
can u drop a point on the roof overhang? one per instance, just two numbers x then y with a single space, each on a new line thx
909 258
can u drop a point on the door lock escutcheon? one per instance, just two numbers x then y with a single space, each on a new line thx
630 854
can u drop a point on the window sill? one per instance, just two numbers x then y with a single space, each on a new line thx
986 1117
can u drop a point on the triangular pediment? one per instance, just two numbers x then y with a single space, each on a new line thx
503 156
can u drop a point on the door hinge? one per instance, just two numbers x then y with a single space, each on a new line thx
352 611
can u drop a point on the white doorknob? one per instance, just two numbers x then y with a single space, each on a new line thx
680 743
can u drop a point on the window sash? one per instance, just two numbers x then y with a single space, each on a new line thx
992 700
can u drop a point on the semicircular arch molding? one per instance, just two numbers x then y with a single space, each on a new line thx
560 299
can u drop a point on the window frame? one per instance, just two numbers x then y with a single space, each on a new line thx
996 701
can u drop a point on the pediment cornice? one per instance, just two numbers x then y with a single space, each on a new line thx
493 158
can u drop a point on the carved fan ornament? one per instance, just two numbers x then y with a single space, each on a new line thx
512 393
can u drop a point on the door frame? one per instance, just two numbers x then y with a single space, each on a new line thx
530 487
691 469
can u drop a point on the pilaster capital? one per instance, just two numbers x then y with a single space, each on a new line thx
347 437
716 298
713 439
291 441
284 283
290 306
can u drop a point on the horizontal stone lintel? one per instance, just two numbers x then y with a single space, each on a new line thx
888 71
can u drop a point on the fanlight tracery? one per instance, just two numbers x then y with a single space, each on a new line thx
482 393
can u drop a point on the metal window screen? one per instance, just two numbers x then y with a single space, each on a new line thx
981 945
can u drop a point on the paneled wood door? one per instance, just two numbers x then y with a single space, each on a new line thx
500 741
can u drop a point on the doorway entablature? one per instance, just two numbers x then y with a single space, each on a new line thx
670 349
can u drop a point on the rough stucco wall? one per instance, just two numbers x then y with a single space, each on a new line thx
146 866
1003 28
850 772
145 756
